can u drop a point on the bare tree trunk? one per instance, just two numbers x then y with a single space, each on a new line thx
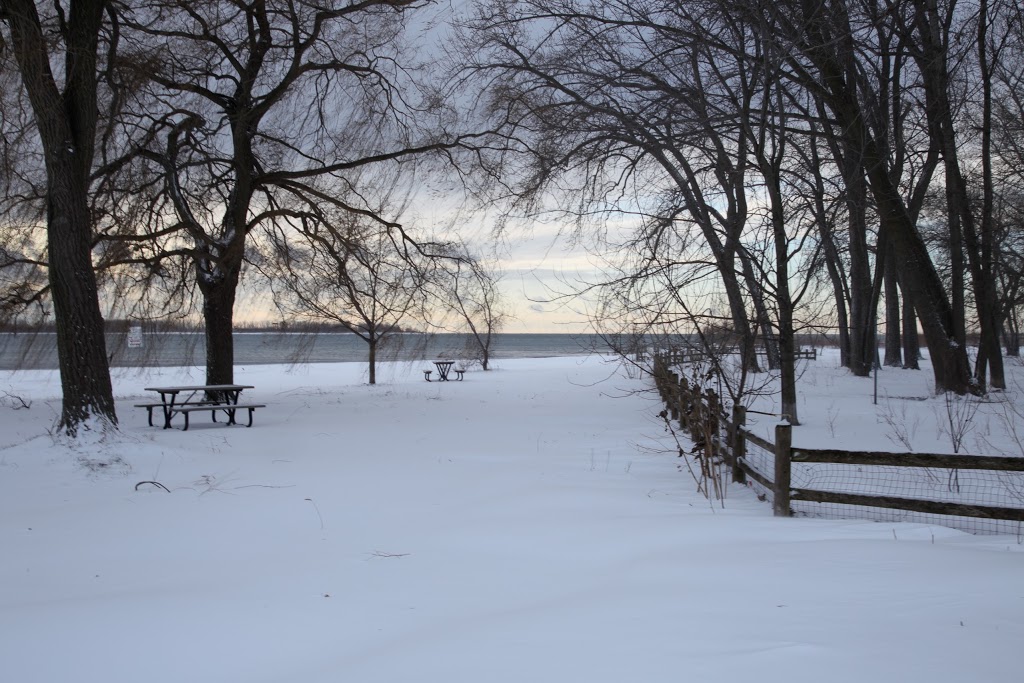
985 280
911 344
81 345
893 350
762 320
738 311
372 343
862 313
834 265
1011 337
783 296
218 315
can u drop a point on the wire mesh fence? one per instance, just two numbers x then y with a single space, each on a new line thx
980 492
977 494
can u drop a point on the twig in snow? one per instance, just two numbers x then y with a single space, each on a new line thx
14 401
152 483
317 513
378 553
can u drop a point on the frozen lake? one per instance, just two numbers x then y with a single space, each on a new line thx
38 350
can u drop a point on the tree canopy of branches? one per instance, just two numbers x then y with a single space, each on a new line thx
267 112
470 288
349 270
788 148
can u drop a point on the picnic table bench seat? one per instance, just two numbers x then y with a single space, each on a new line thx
228 408
160 406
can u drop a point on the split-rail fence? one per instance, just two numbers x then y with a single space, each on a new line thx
830 481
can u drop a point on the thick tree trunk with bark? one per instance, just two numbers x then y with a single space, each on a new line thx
81 345
949 358
911 344
220 346
218 316
783 295
67 128
862 310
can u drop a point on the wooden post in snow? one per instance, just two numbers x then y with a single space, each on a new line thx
783 455
738 445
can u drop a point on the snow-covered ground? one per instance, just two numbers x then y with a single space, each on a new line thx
518 526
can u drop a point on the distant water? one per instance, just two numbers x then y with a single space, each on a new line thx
38 351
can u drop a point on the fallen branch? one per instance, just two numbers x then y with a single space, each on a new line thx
152 483
15 402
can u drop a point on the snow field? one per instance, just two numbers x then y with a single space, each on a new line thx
518 526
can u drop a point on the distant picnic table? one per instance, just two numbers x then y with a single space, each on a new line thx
444 367
213 398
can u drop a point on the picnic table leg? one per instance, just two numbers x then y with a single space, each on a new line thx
168 410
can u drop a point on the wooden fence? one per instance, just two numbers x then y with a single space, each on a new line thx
723 435
684 356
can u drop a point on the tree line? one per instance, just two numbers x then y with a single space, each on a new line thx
753 168
783 164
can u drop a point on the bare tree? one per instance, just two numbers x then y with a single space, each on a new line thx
470 288
347 270
260 112
66 112
617 125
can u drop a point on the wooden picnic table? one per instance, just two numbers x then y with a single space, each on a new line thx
212 397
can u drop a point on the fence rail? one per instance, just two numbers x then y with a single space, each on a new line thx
962 480
687 355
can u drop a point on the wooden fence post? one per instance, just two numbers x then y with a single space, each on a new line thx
783 453
696 413
739 443
673 399
713 448
684 404
681 401
659 375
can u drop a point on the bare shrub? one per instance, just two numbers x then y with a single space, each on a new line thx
902 426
